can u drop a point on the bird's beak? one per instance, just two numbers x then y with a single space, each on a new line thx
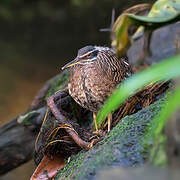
68 65
73 62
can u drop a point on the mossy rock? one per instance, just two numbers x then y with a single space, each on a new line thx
124 146
59 82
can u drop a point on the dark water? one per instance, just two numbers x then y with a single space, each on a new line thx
37 38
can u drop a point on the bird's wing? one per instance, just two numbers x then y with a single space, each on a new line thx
116 69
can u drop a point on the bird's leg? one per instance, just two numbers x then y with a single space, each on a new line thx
94 118
109 121
98 133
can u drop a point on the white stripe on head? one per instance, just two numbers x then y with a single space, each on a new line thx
88 53
93 59
100 48
126 63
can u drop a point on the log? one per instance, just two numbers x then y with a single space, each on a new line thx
17 141
17 137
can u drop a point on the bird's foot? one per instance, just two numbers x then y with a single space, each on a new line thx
93 142
95 139
97 135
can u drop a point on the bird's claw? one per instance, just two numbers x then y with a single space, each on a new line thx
93 142
99 133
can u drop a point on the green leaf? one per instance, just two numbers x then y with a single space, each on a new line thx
154 130
167 69
162 11
121 30
158 123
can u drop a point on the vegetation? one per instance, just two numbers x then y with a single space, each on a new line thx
134 138
166 70
162 11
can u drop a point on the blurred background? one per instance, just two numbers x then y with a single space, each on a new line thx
36 38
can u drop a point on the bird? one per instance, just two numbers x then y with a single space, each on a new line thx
94 75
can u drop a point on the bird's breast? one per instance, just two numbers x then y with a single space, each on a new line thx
89 86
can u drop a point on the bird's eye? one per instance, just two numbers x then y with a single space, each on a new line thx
88 56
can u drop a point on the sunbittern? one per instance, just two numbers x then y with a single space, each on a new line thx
94 74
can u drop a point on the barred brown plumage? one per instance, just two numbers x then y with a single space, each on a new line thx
94 74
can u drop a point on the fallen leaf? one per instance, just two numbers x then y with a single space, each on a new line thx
48 168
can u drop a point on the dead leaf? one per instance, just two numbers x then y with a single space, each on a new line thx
48 168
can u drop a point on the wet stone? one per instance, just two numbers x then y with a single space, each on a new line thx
162 43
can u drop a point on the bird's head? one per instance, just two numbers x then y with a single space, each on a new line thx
87 54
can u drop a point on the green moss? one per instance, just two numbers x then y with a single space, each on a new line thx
74 164
124 146
157 142
158 156
59 83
